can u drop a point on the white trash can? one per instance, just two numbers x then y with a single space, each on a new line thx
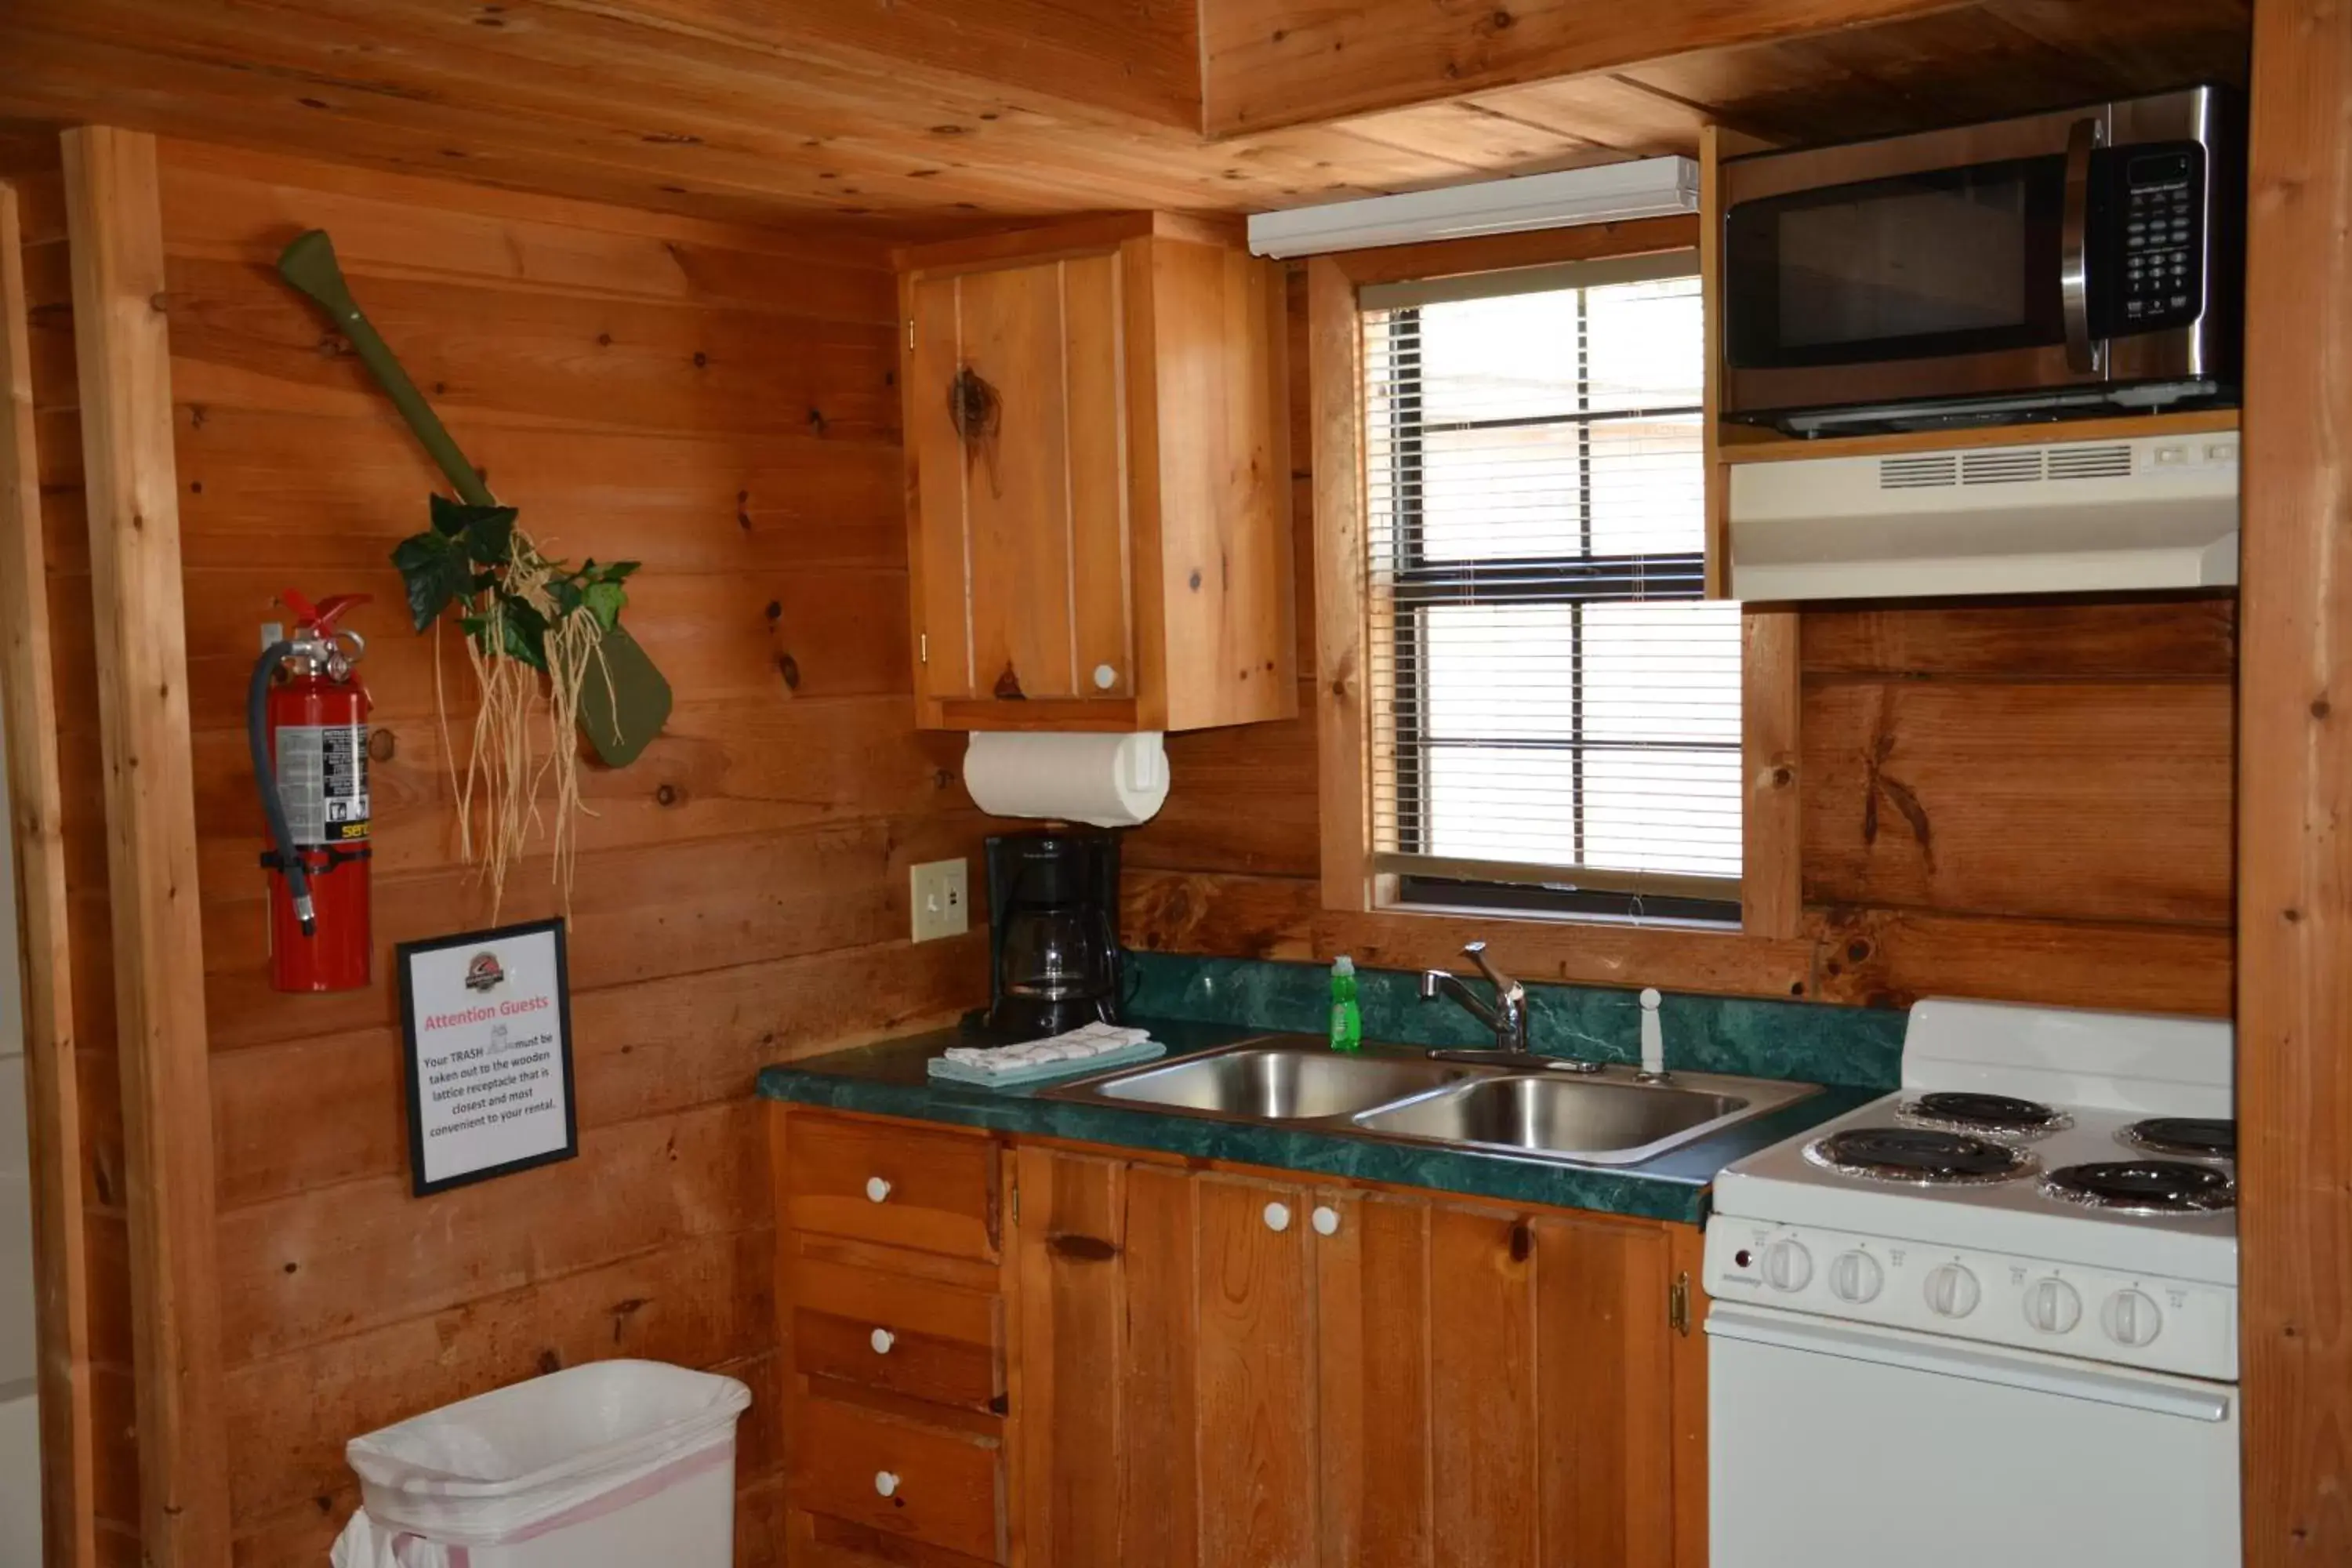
615 1464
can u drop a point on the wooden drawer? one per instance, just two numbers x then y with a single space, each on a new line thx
926 1341
923 1483
935 1191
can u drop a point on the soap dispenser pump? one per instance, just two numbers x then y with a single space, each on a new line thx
1654 1039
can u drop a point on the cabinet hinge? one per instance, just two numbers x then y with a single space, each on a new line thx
922 647
1679 1304
1016 1205
911 335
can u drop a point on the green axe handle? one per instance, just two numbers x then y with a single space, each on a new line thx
308 263
626 709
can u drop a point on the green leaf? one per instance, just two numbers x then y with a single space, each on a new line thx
565 594
491 538
526 633
435 571
605 601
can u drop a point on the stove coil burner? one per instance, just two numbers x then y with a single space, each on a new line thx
1993 1115
1919 1157
2143 1187
2194 1137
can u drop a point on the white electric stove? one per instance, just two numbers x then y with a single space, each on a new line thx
1991 1315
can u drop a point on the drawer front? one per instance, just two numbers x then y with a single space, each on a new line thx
922 1483
901 1186
925 1341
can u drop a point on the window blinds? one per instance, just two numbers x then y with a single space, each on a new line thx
1553 703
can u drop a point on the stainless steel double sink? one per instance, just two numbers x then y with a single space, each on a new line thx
1527 1106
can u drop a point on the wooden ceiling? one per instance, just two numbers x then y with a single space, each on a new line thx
914 117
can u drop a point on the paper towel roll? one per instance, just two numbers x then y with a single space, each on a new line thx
1105 781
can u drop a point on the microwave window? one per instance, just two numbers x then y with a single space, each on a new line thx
1954 261
1903 263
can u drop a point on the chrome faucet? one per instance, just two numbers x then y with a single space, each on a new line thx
1507 1015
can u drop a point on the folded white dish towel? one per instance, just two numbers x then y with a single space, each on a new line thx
1080 1044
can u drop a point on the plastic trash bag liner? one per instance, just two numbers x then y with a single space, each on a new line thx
535 1457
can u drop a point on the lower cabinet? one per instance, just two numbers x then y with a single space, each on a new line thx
1024 1354
1220 1371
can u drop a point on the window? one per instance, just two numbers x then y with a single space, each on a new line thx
1555 709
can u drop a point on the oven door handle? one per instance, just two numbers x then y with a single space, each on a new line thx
1915 1354
2083 356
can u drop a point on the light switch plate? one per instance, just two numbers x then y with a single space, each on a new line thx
942 890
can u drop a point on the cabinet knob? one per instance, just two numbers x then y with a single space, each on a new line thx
876 1189
886 1483
1326 1220
1278 1217
882 1339
1104 677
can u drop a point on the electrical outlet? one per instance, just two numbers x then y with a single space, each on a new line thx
942 890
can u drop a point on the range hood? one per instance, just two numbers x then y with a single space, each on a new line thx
2151 512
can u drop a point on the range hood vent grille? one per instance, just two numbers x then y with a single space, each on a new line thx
1919 473
2110 462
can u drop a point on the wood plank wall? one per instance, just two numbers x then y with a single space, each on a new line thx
2021 800
715 400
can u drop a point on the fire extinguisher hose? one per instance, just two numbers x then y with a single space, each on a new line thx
265 779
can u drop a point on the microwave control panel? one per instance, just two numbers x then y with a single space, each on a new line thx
2159 206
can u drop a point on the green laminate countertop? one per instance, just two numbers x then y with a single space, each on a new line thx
888 1078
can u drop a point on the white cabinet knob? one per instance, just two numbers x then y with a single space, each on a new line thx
1855 1276
882 1339
1788 1266
2131 1319
876 1189
2052 1306
1278 1217
1326 1220
1952 1292
886 1483
1104 677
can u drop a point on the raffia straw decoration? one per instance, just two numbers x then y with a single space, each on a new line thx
524 732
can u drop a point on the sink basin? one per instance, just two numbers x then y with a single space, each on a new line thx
1282 1084
1601 1121
1394 1094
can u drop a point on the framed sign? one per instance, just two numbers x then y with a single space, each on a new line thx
486 1016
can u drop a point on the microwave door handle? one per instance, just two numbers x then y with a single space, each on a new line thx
2083 355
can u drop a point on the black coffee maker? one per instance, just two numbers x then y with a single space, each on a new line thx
1053 925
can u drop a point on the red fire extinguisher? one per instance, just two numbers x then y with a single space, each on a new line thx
309 735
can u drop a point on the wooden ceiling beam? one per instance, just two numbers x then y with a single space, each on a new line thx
1269 63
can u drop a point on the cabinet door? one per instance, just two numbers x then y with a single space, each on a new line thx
1016 431
1492 1388
1255 1376
1103 1397
1165 1392
1605 1379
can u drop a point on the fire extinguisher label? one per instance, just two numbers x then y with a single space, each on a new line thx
322 778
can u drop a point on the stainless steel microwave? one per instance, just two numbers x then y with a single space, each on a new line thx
2083 261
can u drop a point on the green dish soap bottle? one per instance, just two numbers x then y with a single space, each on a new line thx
1346 1020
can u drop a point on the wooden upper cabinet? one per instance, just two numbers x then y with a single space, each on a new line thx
1098 488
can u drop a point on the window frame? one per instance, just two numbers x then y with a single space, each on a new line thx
1771 903
1416 583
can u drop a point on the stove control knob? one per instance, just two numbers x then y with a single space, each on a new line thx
1952 1290
1855 1276
1788 1266
2131 1319
2052 1306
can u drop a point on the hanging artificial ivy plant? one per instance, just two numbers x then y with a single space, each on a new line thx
545 639
524 619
